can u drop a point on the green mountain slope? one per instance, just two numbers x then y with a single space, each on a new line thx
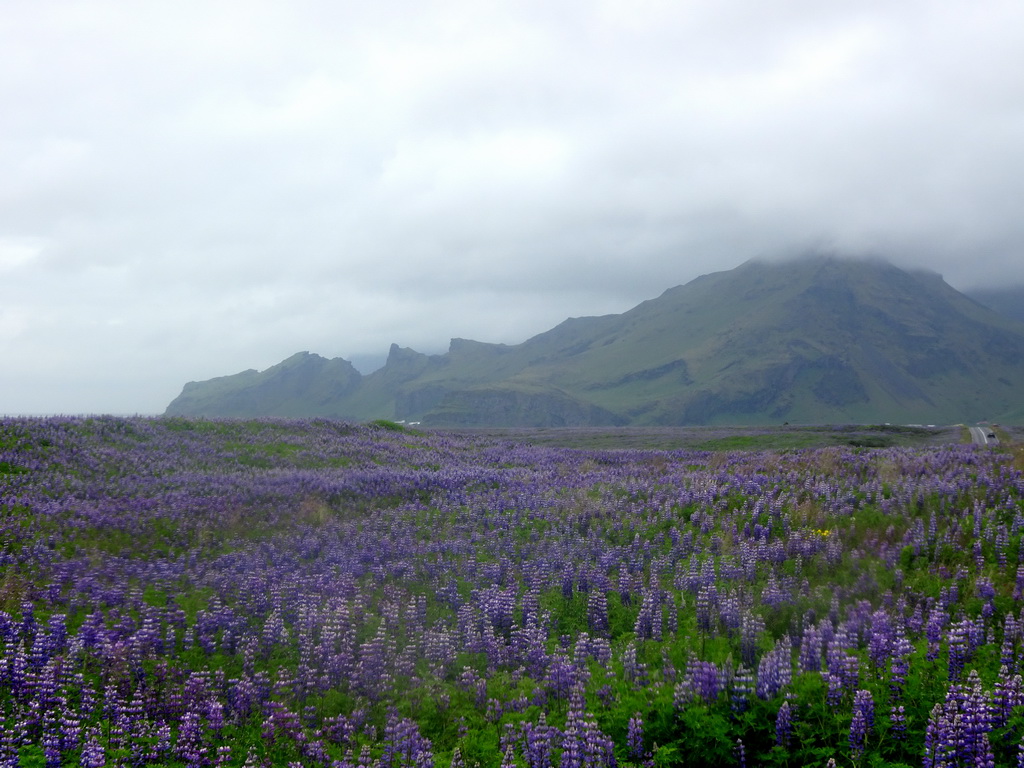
815 340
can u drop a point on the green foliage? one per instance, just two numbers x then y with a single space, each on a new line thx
707 734
391 426
31 756
670 755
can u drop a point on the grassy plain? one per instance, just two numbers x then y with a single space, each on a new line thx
774 438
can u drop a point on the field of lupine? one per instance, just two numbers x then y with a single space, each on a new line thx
216 593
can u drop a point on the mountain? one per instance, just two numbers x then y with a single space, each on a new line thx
302 385
814 340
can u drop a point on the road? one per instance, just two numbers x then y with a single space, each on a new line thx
980 436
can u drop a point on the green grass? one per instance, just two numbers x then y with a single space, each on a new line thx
770 441
262 455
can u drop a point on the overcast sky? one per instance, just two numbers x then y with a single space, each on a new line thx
192 188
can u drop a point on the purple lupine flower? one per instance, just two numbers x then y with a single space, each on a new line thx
191 746
862 723
162 748
1002 544
92 753
598 749
743 688
494 711
1007 651
706 680
850 672
899 664
668 669
583 744
70 733
508 738
958 728
404 746
1018 585
934 629
707 601
783 724
562 676
984 757
858 735
898 723
775 670
741 754
649 614
985 588
572 750
1007 695
751 628
731 612
538 742
864 703
683 694
635 737
880 638
634 671
597 612
978 716
810 650
959 648
935 738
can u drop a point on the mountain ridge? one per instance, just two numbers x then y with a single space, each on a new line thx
814 340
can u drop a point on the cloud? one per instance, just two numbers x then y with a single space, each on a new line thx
192 189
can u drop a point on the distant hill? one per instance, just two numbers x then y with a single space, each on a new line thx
815 340
1005 301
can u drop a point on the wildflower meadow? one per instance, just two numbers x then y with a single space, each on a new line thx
190 592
